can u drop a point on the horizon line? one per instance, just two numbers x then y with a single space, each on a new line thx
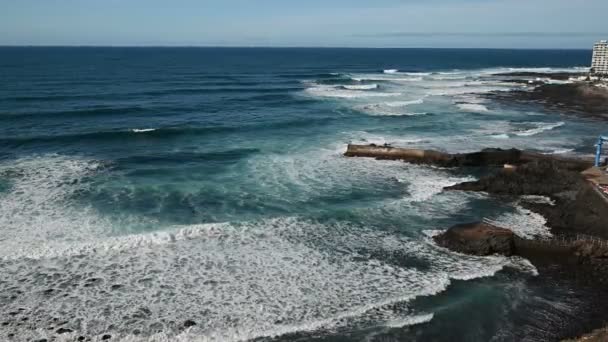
280 47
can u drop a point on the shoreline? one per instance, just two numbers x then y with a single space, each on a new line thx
567 93
579 261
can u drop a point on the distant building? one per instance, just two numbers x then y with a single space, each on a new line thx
599 62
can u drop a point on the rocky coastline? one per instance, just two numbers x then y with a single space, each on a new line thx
576 213
556 92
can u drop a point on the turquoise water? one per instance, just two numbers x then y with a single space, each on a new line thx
209 184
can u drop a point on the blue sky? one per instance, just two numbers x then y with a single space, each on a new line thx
348 23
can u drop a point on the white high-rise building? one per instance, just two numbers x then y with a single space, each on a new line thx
599 62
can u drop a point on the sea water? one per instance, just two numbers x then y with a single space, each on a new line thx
144 187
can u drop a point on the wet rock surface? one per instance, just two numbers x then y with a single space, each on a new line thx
490 157
581 98
550 178
478 239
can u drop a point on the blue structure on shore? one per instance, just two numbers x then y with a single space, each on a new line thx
598 152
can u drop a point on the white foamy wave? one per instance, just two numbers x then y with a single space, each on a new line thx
430 182
391 71
560 151
395 78
38 211
430 233
408 321
538 199
360 87
403 103
244 281
143 130
500 70
472 107
332 91
391 108
540 127
524 223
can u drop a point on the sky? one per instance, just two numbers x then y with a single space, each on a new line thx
315 23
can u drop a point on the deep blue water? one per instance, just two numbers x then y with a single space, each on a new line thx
208 184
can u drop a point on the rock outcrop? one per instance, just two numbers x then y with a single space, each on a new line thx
540 177
386 152
487 157
581 98
478 239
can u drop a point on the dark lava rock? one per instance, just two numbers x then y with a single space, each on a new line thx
63 330
546 178
579 98
583 213
41 340
80 338
189 323
478 239
488 157
563 76
106 337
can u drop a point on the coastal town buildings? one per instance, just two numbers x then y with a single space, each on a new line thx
599 61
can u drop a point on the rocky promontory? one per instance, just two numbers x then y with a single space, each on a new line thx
555 92
478 238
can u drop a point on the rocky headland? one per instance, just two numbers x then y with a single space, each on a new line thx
555 92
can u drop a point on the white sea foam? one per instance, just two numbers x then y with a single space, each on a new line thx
403 103
38 213
391 71
524 223
244 281
395 78
336 92
407 321
499 70
360 86
472 107
538 199
238 281
429 182
143 130
560 151
540 127
391 108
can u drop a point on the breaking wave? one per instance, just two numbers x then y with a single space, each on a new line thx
143 130
360 87
472 107
336 92
540 127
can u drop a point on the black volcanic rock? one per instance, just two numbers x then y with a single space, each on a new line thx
546 178
562 76
582 98
63 330
189 323
478 239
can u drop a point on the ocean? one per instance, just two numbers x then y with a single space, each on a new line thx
141 188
